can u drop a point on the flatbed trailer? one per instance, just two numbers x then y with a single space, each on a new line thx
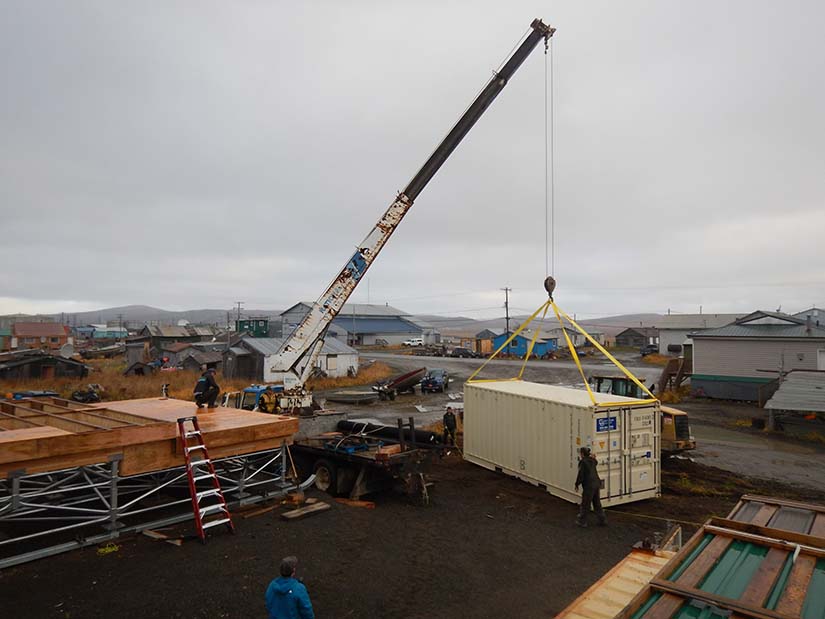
355 465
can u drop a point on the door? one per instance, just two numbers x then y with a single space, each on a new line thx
607 449
820 360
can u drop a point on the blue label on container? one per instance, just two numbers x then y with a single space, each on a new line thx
606 424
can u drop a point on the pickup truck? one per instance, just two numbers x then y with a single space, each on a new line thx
416 341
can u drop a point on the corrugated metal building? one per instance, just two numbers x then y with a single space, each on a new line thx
251 358
675 328
735 361
366 325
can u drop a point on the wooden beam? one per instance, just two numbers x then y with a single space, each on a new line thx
785 502
762 582
665 607
764 515
796 589
88 424
770 542
22 419
703 563
716 600
818 527
804 539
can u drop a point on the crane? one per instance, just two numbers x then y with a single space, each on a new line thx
296 358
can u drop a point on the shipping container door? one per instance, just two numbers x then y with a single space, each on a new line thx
640 453
607 448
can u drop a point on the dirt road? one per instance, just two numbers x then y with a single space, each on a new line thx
750 454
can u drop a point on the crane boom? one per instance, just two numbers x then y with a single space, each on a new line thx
298 354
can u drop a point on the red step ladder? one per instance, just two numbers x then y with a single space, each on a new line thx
202 471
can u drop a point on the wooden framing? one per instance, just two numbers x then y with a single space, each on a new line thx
792 550
48 434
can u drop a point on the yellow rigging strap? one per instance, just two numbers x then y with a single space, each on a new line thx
573 352
504 345
562 316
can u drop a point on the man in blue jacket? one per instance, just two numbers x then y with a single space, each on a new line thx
287 597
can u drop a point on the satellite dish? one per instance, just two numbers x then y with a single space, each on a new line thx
67 351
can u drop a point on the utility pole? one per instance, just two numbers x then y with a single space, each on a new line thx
239 304
507 312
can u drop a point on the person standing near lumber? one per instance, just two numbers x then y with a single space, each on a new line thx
206 389
287 597
588 478
449 426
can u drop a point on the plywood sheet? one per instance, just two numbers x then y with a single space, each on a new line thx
613 591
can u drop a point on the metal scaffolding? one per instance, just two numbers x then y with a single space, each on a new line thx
48 513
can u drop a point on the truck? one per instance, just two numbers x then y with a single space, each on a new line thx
359 458
676 437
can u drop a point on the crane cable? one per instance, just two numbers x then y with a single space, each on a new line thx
549 164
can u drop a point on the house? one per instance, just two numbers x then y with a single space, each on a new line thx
367 325
138 368
484 341
159 336
575 337
104 332
675 328
737 361
545 343
27 364
5 339
197 361
636 337
252 357
256 326
817 316
176 352
39 335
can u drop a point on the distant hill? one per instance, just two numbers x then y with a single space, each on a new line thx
142 314
610 325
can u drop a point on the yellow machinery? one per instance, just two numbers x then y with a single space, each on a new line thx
676 435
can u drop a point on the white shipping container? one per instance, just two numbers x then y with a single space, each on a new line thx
533 431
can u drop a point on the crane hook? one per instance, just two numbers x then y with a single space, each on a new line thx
550 285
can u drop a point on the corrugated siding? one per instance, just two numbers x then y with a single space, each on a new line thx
745 357
533 431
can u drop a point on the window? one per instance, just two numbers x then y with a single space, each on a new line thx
55 340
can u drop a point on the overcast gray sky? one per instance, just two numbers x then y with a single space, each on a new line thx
188 155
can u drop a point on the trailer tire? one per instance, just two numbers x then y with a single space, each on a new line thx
325 476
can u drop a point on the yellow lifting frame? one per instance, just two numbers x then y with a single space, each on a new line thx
560 315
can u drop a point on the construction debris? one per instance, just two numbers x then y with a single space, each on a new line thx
302 512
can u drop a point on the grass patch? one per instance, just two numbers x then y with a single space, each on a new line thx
367 375
674 397
683 484
109 374
656 359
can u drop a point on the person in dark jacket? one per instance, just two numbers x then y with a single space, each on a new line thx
588 478
449 426
206 389
287 597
